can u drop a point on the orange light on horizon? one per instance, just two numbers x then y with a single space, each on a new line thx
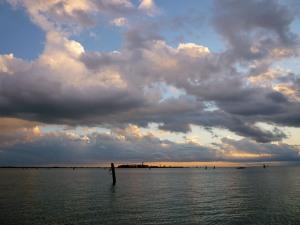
248 155
195 164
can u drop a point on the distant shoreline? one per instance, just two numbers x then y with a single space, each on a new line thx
87 167
51 167
123 167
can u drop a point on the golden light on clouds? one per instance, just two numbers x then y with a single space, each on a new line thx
36 131
193 50
247 155
164 145
12 124
288 90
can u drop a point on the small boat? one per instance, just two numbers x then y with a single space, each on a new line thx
240 168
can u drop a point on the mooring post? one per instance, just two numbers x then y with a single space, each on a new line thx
113 173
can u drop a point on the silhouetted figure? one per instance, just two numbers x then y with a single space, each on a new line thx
205 167
214 167
264 166
113 173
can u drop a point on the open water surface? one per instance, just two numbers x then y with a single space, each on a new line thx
156 196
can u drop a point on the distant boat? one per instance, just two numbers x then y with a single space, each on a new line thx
241 168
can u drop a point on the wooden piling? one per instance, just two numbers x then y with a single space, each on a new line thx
113 173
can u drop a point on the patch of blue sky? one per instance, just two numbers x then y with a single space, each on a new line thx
172 7
210 106
177 26
18 34
89 130
52 128
165 91
295 25
191 25
293 62
169 91
203 36
104 38
290 64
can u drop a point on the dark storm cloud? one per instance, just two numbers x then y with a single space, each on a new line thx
38 98
181 119
290 118
256 102
257 134
176 127
238 125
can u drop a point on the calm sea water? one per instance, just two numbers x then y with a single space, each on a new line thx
157 196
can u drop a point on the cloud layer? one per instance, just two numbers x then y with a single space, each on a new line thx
149 81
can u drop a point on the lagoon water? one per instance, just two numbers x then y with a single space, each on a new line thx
156 196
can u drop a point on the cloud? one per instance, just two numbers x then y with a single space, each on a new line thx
67 85
148 80
119 22
70 16
256 29
51 15
129 144
120 145
247 150
14 131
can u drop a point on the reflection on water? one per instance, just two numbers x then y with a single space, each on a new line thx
157 196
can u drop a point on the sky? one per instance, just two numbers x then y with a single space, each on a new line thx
88 82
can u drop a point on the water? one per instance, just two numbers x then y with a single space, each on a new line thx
157 196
